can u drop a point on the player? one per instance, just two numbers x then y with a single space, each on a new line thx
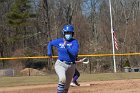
77 74
67 52
75 78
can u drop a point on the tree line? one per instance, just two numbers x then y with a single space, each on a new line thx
26 27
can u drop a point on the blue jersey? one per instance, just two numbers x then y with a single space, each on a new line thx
66 53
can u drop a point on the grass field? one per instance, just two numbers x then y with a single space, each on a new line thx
52 78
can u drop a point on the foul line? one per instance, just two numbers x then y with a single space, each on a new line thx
83 55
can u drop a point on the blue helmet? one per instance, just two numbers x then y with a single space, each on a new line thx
68 28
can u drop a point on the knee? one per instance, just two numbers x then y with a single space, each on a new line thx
62 80
78 74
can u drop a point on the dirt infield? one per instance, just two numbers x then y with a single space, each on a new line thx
114 86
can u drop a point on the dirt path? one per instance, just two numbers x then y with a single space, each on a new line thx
114 86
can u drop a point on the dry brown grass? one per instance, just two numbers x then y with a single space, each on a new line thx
52 78
112 86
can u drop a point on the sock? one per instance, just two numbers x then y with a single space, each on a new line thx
60 88
75 78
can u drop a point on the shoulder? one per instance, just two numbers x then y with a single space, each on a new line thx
57 40
60 39
74 40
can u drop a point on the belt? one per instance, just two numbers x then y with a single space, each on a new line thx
68 63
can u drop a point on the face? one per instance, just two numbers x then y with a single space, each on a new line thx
68 35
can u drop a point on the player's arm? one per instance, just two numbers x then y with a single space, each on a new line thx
50 44
78 61
74 49
83 60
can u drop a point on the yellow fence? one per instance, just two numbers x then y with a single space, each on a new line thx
84 55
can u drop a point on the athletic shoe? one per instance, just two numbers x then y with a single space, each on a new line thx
73 84
77 83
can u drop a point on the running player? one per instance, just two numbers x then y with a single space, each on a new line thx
77 73
67 52
75 78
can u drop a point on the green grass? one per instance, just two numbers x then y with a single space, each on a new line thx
108 76
41 80
27 80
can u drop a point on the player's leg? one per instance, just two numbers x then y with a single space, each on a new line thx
69 75
60 69
75 77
